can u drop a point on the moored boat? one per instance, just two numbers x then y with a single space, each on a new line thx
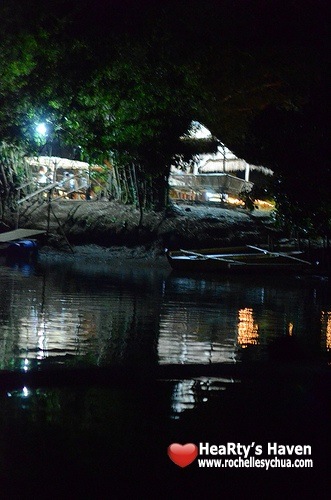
237 259
19 245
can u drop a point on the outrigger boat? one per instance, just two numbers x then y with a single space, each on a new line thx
238 259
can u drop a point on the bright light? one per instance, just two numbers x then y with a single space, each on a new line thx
41 129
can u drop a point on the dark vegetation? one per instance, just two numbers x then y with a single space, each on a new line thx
120 82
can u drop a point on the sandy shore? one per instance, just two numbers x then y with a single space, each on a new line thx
113 226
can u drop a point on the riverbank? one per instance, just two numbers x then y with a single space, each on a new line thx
114 226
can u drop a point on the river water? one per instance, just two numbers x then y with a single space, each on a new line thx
80 313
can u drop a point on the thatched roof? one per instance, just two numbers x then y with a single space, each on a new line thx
213 156
52 162
230 165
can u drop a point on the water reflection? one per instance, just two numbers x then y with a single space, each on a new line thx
189 394
97 313
326 329
82 441
217 320
248 330
89 313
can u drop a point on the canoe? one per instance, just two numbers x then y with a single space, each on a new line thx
237 259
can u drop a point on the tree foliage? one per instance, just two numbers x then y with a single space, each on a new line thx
110 96
122 81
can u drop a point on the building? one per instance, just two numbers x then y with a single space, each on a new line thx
212 177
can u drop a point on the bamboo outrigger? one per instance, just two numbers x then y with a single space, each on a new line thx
241 259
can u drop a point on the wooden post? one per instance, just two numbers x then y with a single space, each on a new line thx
61 229
49 211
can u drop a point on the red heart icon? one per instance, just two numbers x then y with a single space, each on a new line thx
183 454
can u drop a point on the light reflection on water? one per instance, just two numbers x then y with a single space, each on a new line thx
97 312
187 394
120 313
326 329
227 321
80 432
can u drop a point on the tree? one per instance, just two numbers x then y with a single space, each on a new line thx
137 109
296 148
269 92
112 98
122 80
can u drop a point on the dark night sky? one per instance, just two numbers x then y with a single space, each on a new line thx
277 20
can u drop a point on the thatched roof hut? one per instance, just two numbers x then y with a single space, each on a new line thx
218 165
